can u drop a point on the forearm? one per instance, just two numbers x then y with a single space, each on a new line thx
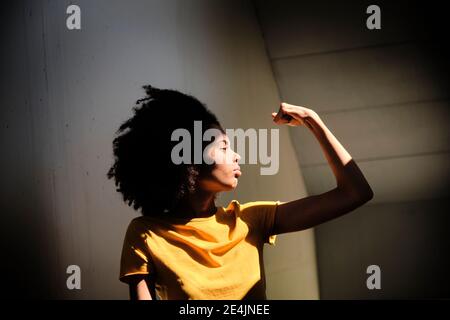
348 176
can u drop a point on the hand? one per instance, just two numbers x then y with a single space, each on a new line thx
295 116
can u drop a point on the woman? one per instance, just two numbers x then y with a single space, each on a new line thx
184 246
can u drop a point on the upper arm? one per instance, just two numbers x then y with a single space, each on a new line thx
260 216
136 260
313 210
142 287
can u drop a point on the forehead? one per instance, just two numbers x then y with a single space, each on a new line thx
223 138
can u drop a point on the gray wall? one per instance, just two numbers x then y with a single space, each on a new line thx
64 94
384 93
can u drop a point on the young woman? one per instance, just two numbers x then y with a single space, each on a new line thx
184 246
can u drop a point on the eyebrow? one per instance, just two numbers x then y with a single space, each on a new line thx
223 140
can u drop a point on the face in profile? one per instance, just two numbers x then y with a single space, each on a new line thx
224 173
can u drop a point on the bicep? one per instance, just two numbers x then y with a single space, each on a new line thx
313 210
142 287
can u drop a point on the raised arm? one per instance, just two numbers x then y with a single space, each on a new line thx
351 191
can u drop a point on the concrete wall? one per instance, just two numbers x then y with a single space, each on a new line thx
384 93
64 94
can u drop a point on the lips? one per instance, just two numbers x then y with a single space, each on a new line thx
237 172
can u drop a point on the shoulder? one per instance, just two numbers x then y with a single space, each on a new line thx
136 222
253 210
139 226
253 205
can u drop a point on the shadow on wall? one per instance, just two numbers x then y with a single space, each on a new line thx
28 253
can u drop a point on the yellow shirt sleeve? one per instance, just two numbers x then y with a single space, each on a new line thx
135 257
260 215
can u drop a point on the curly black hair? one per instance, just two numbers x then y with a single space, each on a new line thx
143 170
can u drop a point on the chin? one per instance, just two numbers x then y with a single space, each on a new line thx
229 188
231 185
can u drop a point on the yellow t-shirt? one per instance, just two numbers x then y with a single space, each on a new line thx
211 258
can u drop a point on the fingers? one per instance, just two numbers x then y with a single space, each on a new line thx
281 117
293 115
286 115
277 116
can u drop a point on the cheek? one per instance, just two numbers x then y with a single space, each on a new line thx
221 171
220 157
220 178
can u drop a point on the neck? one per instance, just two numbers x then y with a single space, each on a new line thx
198 205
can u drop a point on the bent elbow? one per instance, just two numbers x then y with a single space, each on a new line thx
369 196
366 195
361 195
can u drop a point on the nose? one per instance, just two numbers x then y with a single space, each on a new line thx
237 157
